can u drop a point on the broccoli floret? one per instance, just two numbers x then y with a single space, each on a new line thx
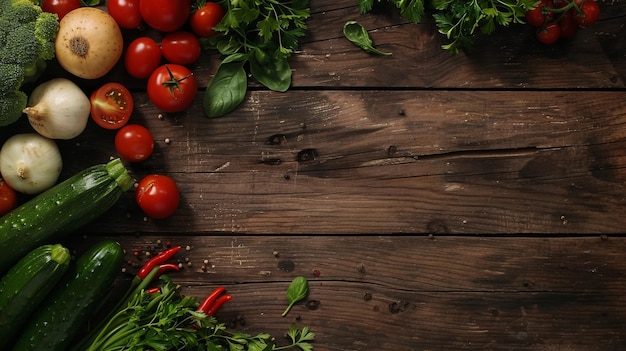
46 29
27 39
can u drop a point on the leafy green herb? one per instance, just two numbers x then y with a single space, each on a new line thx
261 33
461 21
299 338
90 2
226 90
297 291
359 36
166 320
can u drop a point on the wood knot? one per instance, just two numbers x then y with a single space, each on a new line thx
307 155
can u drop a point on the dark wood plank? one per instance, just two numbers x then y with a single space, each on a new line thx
384 162
416 292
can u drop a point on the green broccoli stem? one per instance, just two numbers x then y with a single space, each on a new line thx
34 71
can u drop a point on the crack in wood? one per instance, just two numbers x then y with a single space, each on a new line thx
492 153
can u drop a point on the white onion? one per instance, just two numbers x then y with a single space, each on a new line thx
30 163
58 109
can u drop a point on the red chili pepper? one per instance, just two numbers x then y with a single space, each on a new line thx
153 290
157 261
210 299
218 303
167 267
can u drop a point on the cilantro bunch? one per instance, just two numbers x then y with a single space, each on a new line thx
461 21
255 37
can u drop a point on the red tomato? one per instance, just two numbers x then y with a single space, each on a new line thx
8 198
142 57
549 34
590 12
60 7
134 143
181 47
568 26
111 105
206 18
125 12
172 87
536 17
157 195
165 15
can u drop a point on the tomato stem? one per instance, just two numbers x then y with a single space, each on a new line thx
173 83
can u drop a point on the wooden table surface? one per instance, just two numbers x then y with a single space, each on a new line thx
435 202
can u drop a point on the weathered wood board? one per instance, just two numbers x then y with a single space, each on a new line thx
435 202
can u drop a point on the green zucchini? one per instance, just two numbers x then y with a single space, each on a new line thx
26 285
71 304
58 211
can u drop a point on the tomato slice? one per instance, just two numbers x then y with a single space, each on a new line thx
111 105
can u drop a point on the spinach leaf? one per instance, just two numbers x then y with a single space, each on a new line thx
226 90
359 36
297 291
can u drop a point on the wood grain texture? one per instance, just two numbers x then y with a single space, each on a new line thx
435 202
415 292
365 162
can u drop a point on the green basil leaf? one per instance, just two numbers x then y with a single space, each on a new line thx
228 45
297 291
273 71
359 36
226 90
90 2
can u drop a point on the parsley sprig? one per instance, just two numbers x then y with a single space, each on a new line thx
461 21
166 320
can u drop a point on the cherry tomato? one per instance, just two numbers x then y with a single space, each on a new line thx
142 57
172 87
8 198
549 34
125 13
60 7
111 105
181 47
590 12
536 17
157 195
134 143
165 15
205 19
568 26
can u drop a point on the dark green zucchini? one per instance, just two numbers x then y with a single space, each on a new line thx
71 304
51 215
26 285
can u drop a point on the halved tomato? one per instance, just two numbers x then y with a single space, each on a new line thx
111 105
